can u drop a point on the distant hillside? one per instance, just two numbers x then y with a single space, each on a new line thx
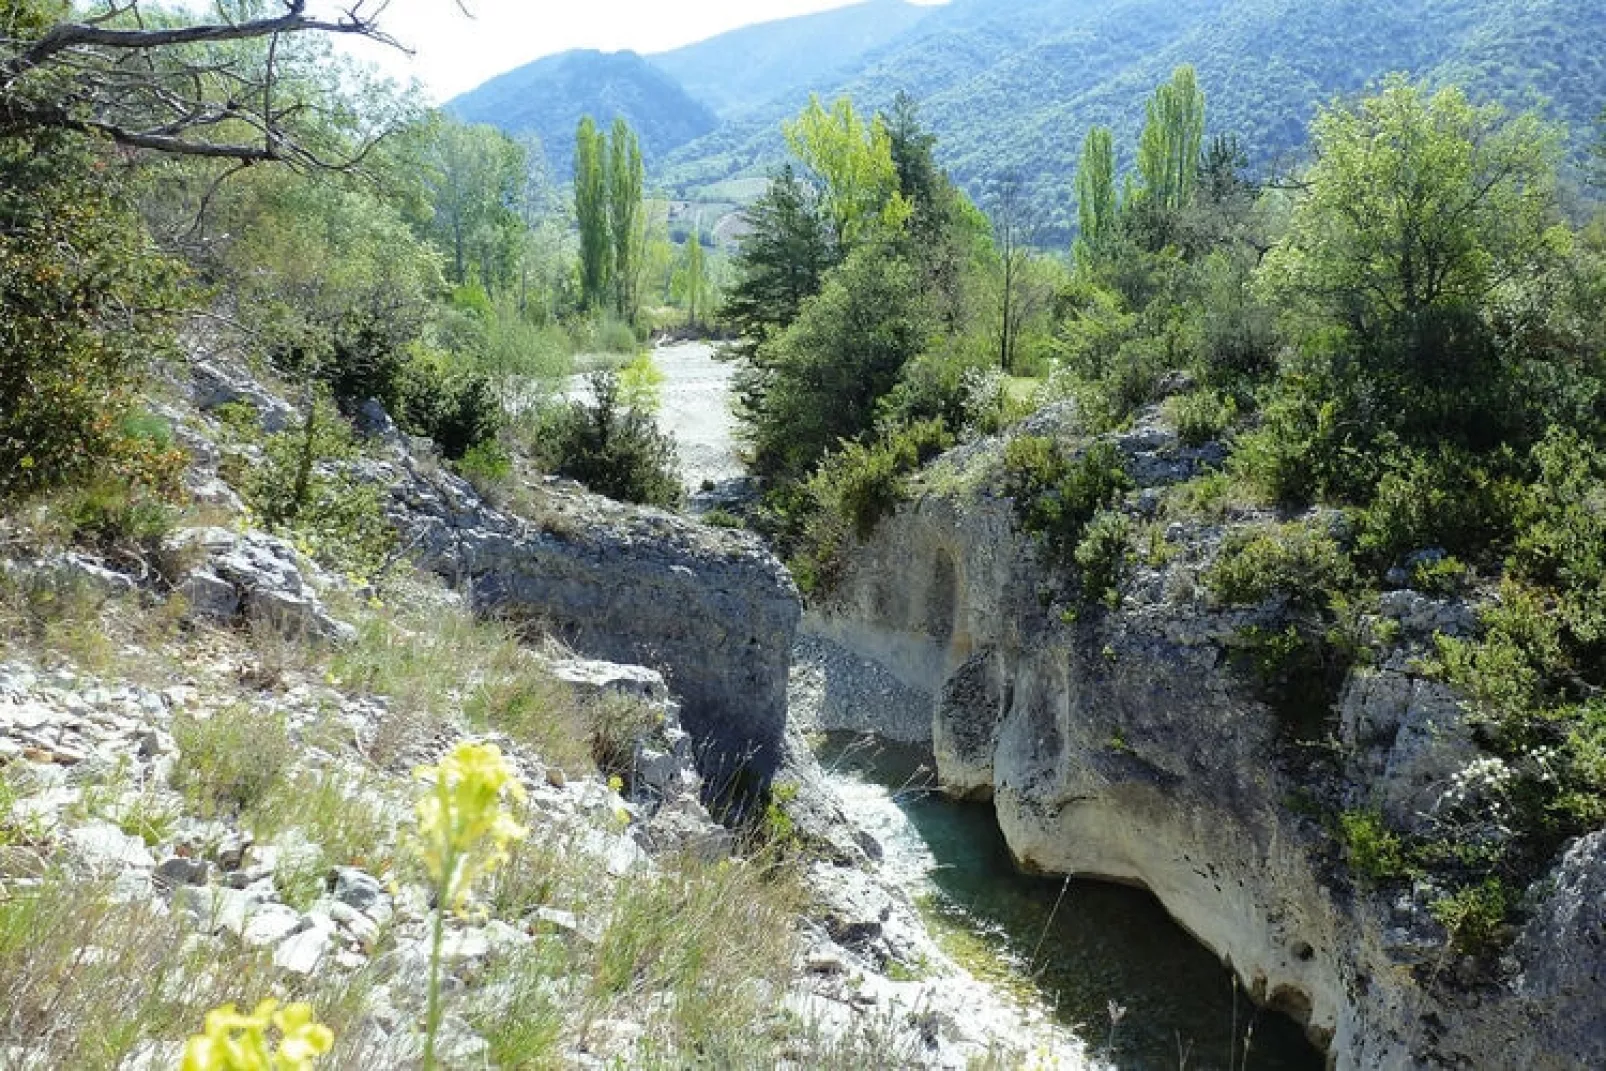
745 69
1014 84
549 97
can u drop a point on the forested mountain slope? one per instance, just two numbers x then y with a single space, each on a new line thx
549 97
745 69
1015 86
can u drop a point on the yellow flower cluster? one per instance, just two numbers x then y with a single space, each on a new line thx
236 1042
464 823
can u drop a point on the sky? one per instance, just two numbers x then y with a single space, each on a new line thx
453 53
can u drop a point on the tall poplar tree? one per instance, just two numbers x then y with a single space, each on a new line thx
1168 154
626 220
591 209
1097 205
695 275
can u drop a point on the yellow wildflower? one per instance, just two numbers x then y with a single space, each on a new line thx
464 824
236 1042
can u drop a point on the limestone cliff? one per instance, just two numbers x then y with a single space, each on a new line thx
1123 744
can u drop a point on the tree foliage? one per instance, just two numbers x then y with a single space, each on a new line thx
1420 261
591 198
781 262
1097 204
85 301
1173 134
826 372
626 220
474 177
852 161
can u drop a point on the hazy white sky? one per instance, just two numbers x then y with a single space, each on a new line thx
453 53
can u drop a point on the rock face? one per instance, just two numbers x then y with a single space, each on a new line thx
710 608
1120 744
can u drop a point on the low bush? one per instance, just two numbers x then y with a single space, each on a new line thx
614 450
1201 416
1104 556
1475 917
1443 498
852 490
301 489
1056 496
1299 562
1373 851
456 407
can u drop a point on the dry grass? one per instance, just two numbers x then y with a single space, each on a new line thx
139 978
698 954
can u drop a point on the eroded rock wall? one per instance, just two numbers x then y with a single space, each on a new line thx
711 608
1121 744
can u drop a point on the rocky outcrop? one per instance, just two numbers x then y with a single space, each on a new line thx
710 608
1122 744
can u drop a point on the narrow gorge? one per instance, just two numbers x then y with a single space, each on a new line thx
1121 744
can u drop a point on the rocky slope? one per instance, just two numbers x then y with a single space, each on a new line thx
1122 744
204 782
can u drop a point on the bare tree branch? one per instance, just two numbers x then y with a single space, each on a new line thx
163 88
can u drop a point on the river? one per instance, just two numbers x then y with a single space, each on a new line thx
1104 959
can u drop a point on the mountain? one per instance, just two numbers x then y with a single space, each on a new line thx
746 68
551 95
1013 85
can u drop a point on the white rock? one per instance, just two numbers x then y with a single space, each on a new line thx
302 952
105 847
270 924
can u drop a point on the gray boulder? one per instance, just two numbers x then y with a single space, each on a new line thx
254 576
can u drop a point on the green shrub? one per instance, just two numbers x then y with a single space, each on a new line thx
120 520
1201 416
1476 917
1104 556
486 465
641 384
1299 562
1439 576
1374 851
604 333
613 450
328 513
1055 496
1443 498
75 265
456 407
852 490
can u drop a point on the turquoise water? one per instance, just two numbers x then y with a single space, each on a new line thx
1077 947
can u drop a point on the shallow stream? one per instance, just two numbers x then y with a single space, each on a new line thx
1082 949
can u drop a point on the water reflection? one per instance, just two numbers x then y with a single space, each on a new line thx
1106 958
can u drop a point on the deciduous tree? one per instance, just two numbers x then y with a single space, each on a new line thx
1173 133
853 162
1097 205
626 221
591 199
